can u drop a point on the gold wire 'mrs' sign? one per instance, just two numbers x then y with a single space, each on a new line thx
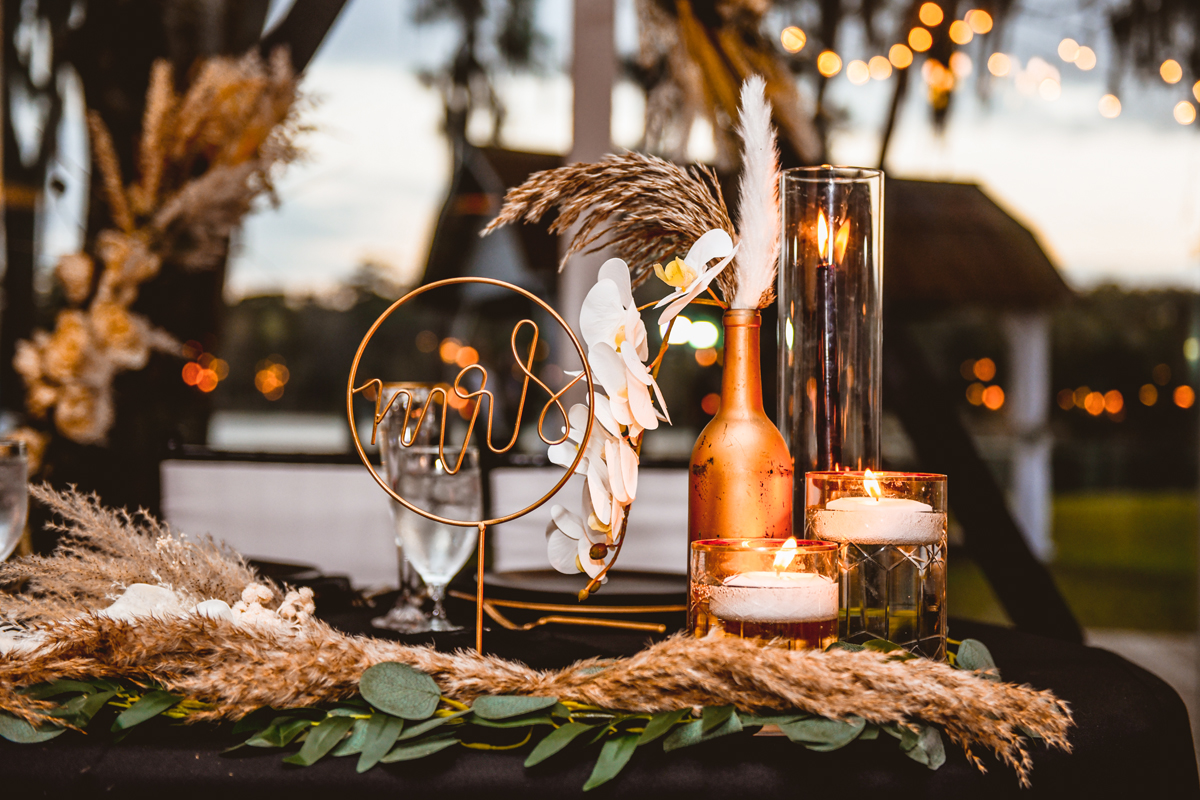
445 395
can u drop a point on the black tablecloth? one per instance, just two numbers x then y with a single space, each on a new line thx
1132 739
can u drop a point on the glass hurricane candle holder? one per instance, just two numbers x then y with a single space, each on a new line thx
890 528
781 592
830 317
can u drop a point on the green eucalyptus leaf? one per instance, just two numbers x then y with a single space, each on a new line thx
382 732
713 717
973 655
881 646
78 711
430 724
691 733
924 745
280 732
823 735
527 721
150 706
555 741
18 730
256 720
853 648
660 724
753 720
505 706
400 690
614 755
322 737
409 751
54 688
870 731
352 745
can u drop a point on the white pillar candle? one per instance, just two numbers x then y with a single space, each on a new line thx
775 597
887 520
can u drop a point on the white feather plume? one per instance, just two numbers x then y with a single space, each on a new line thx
758 200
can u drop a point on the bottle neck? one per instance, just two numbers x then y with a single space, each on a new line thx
741 383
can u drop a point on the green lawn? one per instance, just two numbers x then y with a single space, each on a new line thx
1124 560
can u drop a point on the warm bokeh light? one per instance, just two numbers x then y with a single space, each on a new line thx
703 334
1161 374
466 356
206 371
920 39
1185 112
1191 348
270 378
1068 50
1170 71
1066 399
191 373
999 64
993 398
829 64
427 341
881 68
1085 59
975 394
793 39
1081 396
938 77
979 20
1094 404
1184 396
931 14
711 403
448 350
706 357
1113 401
960 32
1050 89
1196 91
1110 106
1148 394
960 65
984 369
902 58
207 381
967 369
858 72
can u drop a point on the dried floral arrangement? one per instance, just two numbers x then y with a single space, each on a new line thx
128 617
649 211
203 158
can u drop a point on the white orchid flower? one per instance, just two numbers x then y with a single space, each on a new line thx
628 387
609 314
569 543
609 463
692 275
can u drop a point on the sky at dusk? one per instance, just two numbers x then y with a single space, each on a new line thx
1111 200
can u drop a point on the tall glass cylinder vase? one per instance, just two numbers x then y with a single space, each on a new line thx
830 317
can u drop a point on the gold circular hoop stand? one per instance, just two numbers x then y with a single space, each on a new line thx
555 400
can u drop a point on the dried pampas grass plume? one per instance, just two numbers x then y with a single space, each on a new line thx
236 668
649 210
758 201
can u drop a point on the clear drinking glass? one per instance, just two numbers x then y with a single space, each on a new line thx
891 532
781 592
435 550
830 317
406 616
14 495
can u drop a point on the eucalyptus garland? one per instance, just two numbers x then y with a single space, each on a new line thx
400 714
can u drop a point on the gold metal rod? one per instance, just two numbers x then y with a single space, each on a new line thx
479 594
651 627
573 609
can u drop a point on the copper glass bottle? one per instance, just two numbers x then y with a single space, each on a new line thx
741 472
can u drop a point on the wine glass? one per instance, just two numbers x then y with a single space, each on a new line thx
435 550
406 616
14 495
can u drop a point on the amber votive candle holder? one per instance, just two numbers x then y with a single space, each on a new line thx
890 528
780 592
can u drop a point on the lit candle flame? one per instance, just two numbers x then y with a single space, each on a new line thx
786 554
832 248
872 485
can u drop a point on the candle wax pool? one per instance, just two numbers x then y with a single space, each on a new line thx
775 597
888 520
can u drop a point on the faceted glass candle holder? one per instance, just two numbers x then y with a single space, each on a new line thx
890 528
780 592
